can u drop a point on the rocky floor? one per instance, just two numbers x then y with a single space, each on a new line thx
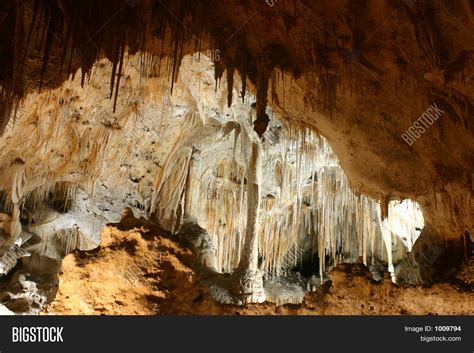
139 270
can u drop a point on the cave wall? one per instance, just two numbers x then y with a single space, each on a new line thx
182 159
358 72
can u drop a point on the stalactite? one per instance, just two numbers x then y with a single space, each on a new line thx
313 200
115 60
9 259
122 53
30 32
261 122
50 27
188 184
230 85
68 239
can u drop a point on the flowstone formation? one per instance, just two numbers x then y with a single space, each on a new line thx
275 212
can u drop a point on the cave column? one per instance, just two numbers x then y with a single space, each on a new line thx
250 276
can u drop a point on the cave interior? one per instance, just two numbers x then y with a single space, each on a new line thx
280 141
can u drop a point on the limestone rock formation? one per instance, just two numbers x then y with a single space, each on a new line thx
221 122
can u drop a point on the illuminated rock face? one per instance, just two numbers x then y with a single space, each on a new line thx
354 78
198 168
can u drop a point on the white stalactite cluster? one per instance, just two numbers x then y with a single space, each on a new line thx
307 205
185 158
